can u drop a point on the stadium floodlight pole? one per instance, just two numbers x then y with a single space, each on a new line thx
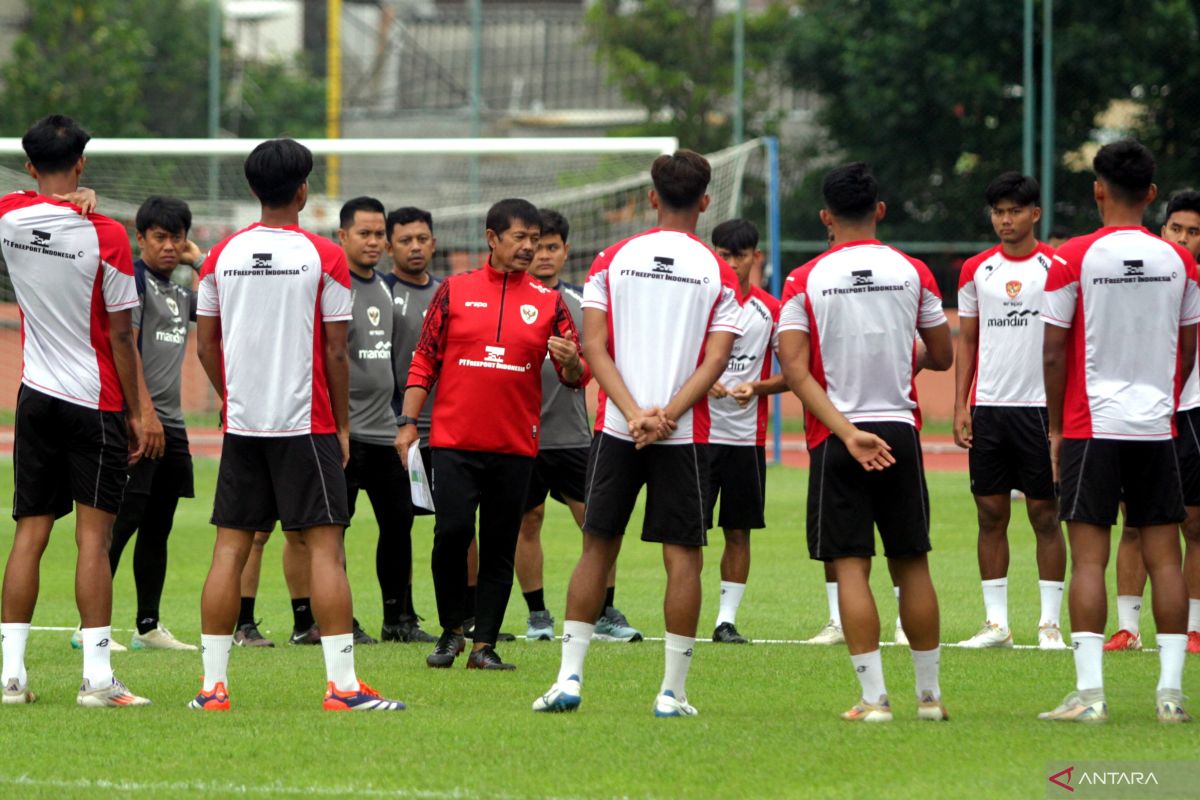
739 73
1028 96
214 98
775 262
1047 118
333 92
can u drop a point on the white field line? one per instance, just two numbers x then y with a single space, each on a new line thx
209 788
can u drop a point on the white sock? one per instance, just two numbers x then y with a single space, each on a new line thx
835 611
896 592
1193 615
1129 613
575 640
1089 652
995 601
13 636
679 658
927 663
731 598
339 661
1052 595
97 664
1172 649
214 652
869 668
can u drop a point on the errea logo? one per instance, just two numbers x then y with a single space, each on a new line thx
475 304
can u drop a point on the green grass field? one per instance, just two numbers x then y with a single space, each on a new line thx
768 725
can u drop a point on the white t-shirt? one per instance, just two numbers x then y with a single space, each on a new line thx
750 360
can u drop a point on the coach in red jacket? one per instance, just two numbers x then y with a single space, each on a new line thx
485 335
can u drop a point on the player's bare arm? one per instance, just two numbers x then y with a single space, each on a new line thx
337 378
964 377
866 448
717 348
208 348
938 353
595 351
1054 373
745 392
1187 352
152 429
120 335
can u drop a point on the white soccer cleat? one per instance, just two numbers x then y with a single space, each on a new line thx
1050 637
158 639
561 697
15 694
862 711
113 645
932 710
830 634
901 636
115 695
1086 706
667 705
1170 706
990 635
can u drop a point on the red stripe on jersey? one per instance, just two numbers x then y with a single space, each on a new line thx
815 430
1077 411
321 416
111 396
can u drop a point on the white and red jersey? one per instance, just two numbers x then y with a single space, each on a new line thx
68 272
664 291
750 360
861 304
1123 293
272 289
1005 294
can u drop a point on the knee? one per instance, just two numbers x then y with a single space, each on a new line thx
1191 530
260 539
1044 520
993 521
1131 535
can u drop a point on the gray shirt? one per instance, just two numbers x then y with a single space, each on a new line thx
369 344
162 318
409 303
564 410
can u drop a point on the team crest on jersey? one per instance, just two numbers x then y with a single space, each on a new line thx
373 316
172 306
1013 288
529 314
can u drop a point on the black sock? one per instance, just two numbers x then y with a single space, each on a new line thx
535 600
393 610
147 623
469 606
302 618
246 616
610 597
411 610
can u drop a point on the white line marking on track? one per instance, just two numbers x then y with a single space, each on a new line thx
207 788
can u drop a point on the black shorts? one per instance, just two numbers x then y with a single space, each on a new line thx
297 480
64 452
676 481
172 473
560 473
846 503
1187 448
1010 450
738 473
1097 474
377 469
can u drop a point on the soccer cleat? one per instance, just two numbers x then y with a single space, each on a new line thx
1085 706
361 636
158 639
1194 642
312 635
15 694
932 710
216 700
830 634
561 697
487 658
901 637
862 711
990 635
248 635
667 705
613 627
541 627
1123 640
113 645
448 646
408 629
1050 637
728 634
114 695
1170 706
364 699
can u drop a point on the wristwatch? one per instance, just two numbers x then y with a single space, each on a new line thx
402 420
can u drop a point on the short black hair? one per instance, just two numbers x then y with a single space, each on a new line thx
500 216
407 214
356 204
169 213
276 170
681 179
850 191
1127 167
554 223
54 143
1187 200
1021 189
735 235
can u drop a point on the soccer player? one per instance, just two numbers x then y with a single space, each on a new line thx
661 311
849 321
485 336
78 421
560 469
737 440
1182 226
164 474
273 307
1121 307
999 406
